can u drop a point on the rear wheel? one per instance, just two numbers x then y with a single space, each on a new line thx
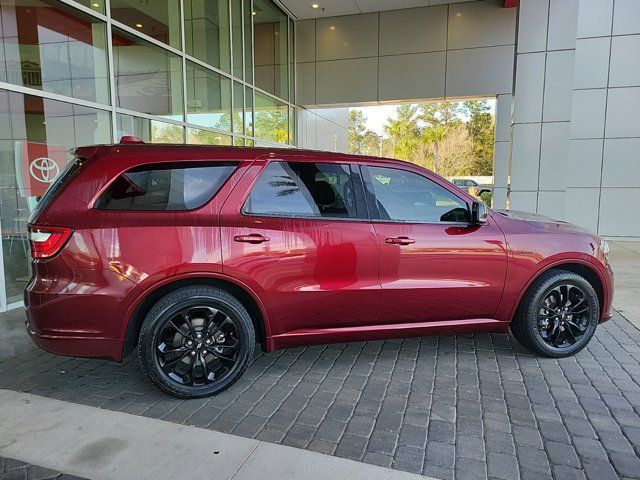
558 315
196 341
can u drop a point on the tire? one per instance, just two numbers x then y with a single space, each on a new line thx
533 324
204 366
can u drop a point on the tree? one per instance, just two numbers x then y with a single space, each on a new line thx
403 133
454 151
480 126
362 141
450 137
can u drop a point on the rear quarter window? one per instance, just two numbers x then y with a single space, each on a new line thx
165 187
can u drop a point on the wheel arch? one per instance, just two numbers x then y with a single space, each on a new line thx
150 296
579 267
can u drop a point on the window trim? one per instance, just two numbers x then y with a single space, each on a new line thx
370 194
360 202
205 163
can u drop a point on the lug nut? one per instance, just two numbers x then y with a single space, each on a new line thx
189 343
193 353
208 341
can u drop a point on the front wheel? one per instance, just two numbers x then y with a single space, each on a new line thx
558 315
196 341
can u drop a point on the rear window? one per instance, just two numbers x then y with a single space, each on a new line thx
183 186
61 180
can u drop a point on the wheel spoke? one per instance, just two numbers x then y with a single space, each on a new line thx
582 310
221 324
556 339
219 355
173 362
165 351
576 327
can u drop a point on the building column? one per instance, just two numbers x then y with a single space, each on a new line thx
604 148
501 150
542 105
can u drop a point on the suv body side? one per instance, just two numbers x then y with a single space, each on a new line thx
82 301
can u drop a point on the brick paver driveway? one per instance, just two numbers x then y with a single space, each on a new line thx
475 405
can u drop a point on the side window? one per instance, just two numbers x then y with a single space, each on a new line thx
404 196
303 189
470 183
459 183
176 186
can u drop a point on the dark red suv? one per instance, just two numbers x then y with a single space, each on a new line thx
194 253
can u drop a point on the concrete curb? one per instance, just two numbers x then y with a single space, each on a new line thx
105 445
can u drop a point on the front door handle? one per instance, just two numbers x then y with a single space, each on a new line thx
253 238
400 240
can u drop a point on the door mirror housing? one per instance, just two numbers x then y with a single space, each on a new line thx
479 213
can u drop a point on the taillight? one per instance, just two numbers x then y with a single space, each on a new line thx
47 241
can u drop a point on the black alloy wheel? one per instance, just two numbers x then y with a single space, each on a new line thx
196 341
558 314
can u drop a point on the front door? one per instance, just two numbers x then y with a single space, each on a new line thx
296 233
434 265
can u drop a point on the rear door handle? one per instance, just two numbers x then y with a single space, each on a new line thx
400 240
253 238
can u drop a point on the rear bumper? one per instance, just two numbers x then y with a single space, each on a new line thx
78 317
76 346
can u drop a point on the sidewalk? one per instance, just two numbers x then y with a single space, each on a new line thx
100 445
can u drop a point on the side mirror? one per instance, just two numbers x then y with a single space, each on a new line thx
479 213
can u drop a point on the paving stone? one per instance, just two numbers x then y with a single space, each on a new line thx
501 465
470 469
533 460
440 454
562 454
440 431
409 459
470 447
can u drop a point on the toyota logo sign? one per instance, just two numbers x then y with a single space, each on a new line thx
44 169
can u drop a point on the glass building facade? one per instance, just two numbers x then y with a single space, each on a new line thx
74 73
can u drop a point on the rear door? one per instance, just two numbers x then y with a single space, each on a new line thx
296 232
434 265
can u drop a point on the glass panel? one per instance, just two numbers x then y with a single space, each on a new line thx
271 119
96 5
408 197
160 19
172 187
249 143
236 35
303 189
148 78
206 137
206 26
270 45
209 98
238 142
35 137
292 125
238 108
57 50
248 41
151 131
248 113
